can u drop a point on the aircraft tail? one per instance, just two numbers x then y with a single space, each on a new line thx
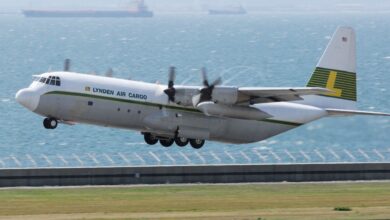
336 71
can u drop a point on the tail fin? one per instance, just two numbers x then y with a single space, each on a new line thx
336 69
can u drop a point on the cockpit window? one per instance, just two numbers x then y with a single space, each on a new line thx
58 82
42 80
52 80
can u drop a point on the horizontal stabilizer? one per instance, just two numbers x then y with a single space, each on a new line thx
343 112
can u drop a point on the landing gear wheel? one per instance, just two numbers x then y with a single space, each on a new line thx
166 142
196 143
50 123
181 142
150 139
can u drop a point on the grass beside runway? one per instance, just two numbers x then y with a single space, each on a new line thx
368 200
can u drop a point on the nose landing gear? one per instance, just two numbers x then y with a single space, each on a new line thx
50 123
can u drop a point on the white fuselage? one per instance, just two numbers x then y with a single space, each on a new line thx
190 114
145 107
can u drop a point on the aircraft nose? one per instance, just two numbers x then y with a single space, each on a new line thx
27 98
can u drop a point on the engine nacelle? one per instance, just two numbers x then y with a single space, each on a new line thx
233 111
184 95
225 95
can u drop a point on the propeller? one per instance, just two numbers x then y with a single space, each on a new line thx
67 65
171 91
207 91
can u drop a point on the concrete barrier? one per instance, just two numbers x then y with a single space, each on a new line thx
194 174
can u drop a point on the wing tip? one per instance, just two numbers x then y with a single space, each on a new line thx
354 112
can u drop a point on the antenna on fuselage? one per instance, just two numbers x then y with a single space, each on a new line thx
67 65
109 72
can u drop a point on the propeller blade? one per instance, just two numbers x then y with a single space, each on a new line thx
205 94
204 77
171 91
216 82
67 65
172 76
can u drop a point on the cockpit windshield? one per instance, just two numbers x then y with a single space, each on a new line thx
51 80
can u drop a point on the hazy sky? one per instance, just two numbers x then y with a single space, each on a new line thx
196 5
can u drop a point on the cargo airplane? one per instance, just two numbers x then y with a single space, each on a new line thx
192 114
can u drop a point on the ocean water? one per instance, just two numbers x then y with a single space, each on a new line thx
250 50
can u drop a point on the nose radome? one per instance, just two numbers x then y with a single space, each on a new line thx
27 98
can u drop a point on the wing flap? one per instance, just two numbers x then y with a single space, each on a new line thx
278 91
278 94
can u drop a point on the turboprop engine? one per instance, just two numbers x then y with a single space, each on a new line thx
193 95
225 95
222 94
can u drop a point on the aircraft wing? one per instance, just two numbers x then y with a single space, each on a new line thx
278 94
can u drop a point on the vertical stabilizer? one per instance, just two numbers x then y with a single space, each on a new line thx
336 69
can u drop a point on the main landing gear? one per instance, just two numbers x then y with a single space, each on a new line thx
196 143
181 142
167 142
50 123
150 139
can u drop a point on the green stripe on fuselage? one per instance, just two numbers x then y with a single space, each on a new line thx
154 105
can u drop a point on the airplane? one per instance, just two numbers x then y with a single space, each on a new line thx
185 115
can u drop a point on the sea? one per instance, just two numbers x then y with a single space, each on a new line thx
263 49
